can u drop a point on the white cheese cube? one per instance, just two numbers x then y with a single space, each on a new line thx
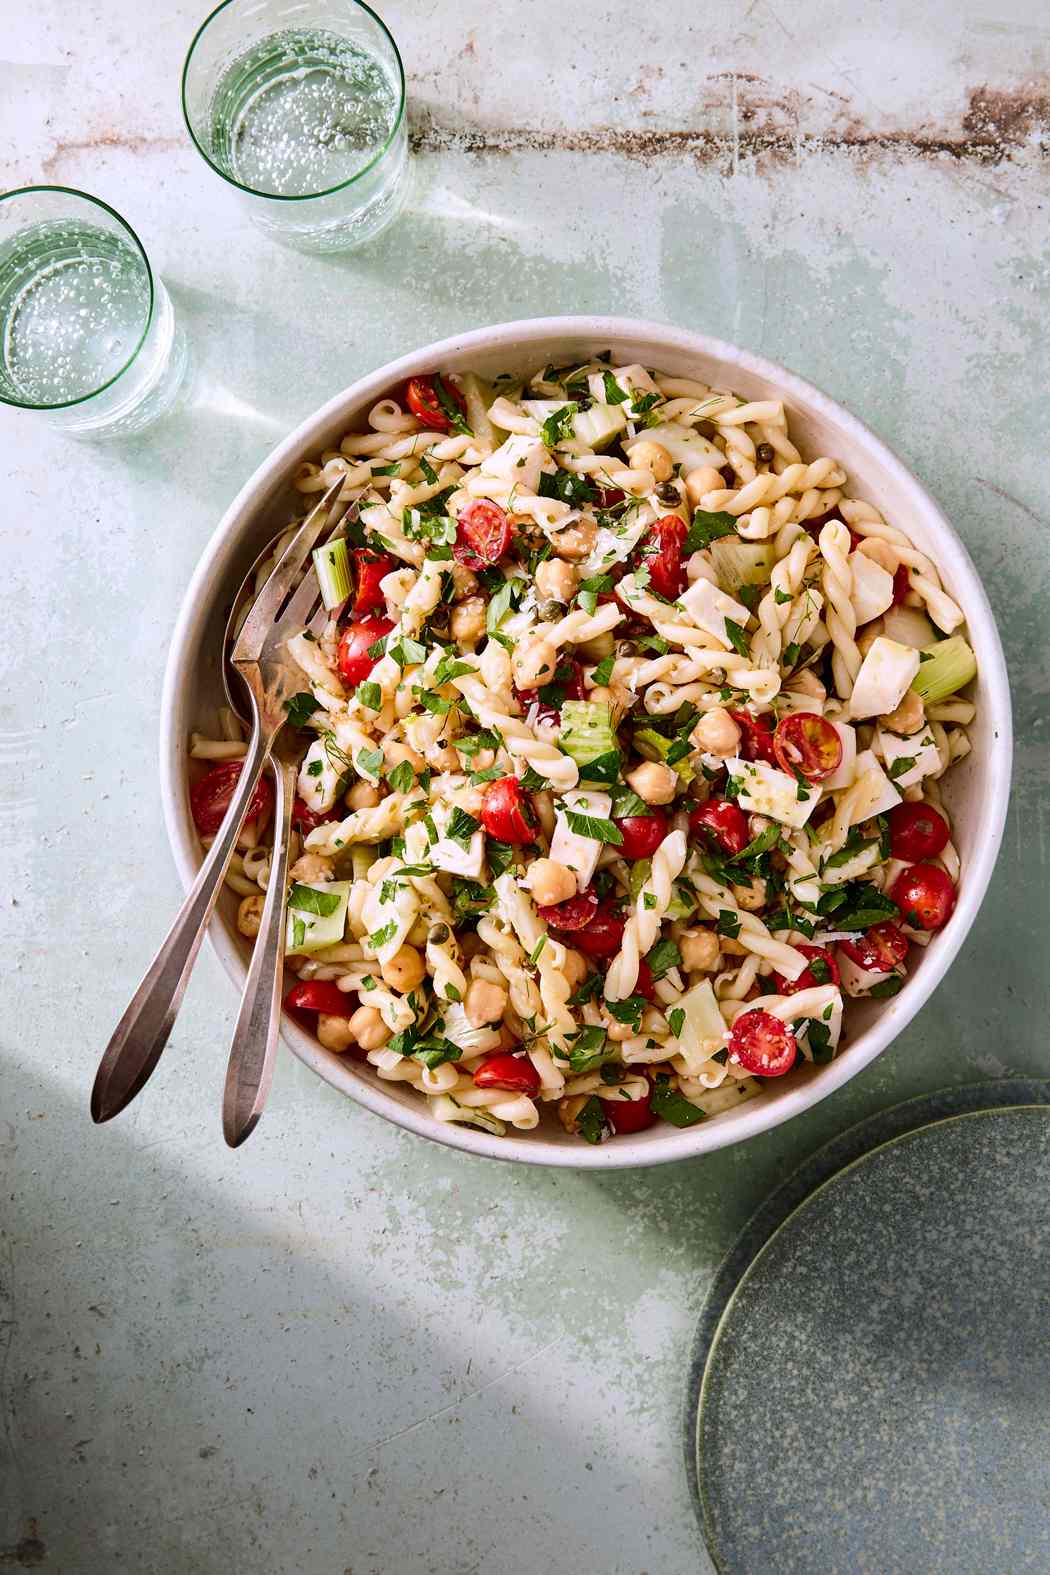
767 791
882 794
686 447
579 854
872 591
319 779
885 674
520 460
919 748
846 770
631 379
709 608
456 858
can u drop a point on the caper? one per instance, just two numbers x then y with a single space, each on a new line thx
765 453
439 934
550 611
667 492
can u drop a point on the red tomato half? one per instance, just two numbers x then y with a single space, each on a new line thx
515 1073
575 914
925 895
808 979
642 834
506 812
629 1115
646 984
762 1044
661 553
603 935
916 832
757 742
320 995
901 583
482 535
880 949
722 823
573 687
352 659
424 404
369 569
210 797
608 497
806 743
305 819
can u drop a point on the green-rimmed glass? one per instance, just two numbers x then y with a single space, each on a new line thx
300 105
87 332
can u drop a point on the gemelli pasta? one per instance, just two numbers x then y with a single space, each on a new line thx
622 753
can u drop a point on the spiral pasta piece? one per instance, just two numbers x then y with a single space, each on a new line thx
837 582
516 908
521 742
643 926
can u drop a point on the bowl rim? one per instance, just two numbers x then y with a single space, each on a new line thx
756 1115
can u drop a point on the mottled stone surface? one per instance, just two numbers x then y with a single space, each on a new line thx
341 1348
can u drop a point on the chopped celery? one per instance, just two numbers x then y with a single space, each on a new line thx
908 626
333 572
652 745
459 1030
589 738
738 563
316 915
714 1100
598 425
478 396
945 668
362 857
686 447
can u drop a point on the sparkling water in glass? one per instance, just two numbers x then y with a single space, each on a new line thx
300 104
87 335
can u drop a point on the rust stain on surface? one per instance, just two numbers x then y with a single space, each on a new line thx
104 141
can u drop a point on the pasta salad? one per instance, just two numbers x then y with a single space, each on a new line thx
623 747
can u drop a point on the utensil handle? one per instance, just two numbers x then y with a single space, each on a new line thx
143 1031
254 1049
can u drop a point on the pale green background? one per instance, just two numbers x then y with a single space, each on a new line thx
343 1349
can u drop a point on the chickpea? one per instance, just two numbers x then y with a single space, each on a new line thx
575 969
311 867
550 882
653 457
617 1032
716 733
464 580
368 1028
363 795
394 753
704 479
700 950
654 782
909 715
600 694
884 553
867 636
484 1003
534 662
467 623
249 916
750 895
335 1033
557 579
576 541
405 970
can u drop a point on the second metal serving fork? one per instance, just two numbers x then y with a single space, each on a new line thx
288 603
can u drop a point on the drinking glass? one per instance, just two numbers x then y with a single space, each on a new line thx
300 105
87 334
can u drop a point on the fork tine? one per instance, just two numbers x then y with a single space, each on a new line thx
259 623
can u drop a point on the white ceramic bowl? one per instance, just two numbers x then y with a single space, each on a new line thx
976 791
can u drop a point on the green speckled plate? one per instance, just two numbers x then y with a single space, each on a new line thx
876 1396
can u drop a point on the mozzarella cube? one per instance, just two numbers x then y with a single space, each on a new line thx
885 675
767 791
319 779
579 854
709 608
520 460
455 857
872 591
846 770
919 748
882 794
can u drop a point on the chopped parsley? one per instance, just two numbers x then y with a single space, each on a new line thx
706 528
558 425
672 1106
663 956
591 826
402 777
590 1122
300 708
309 900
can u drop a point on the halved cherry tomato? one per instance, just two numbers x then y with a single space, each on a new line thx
608 497
424 404
320 995
210 797
482 535
573 914
506 811
762 1044
880 949
917 831
805 743
369 569
645 985
642 834
352 658
661 553
515 1073
901 583
629 1115
573 687
808 979
722 823
925 894
305 819
757 742
602 937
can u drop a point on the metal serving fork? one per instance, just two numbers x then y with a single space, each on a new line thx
284 607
